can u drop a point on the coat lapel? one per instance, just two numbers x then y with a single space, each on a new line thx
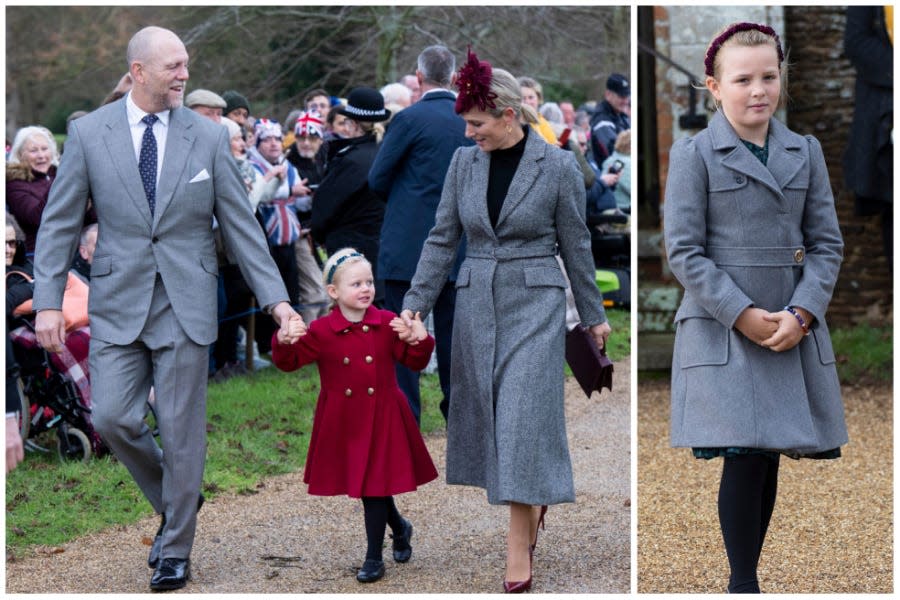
785 157
120 146
178 147
477 189
527 173
739 158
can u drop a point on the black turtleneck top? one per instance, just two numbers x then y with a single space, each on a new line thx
503 167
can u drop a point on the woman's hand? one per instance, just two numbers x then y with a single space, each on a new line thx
788 334
601 333
753 324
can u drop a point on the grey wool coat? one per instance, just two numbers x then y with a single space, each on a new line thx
506 426
740 234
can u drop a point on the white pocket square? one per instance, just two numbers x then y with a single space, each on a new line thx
201 176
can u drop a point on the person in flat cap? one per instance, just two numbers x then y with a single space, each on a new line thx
346 213
611 117
237 108
207 103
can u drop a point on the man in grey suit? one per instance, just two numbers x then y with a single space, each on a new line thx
157 173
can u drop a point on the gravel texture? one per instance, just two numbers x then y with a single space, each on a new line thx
832 529
283 540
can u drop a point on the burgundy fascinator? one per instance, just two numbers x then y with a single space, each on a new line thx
716 45
474 83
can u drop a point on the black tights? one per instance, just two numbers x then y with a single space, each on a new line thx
746 501
378 512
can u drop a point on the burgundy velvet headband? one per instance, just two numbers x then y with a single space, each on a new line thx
725 35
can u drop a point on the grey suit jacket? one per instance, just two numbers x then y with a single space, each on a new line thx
739 234
506 426
199 180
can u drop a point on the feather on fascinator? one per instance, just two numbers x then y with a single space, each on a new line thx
474 83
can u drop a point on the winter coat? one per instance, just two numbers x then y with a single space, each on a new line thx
365 440
26 196
506 426
740 234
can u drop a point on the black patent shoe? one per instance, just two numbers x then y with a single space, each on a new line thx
155 548
402 548
372 570
171 574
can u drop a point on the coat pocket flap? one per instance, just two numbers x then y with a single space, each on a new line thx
544 277
463 277
701 342
823 344
101 265
209 264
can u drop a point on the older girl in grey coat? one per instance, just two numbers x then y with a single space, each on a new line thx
519 201
752 235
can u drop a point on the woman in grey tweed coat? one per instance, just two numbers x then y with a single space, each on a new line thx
752 235
506 424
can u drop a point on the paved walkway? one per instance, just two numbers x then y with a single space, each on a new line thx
283 540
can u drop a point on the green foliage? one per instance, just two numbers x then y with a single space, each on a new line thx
259 426
864 353
619 342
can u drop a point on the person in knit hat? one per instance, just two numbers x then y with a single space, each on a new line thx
237 108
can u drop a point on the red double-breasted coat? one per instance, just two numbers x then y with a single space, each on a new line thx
365 440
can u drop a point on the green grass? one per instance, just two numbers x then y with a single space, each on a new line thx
258 427
864 353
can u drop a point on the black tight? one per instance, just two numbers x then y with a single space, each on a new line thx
378 513
746 501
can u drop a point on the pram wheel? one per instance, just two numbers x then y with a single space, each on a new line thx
73 444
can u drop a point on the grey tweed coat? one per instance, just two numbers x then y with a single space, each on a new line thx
739 234
506 427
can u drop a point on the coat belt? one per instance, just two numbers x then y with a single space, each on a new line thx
731 256
502 253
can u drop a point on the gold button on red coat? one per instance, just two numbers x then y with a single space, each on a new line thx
369 359
348 393
365 328
371 391
346 360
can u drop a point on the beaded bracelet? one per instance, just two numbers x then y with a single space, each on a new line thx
800 320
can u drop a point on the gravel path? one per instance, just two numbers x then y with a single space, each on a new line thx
832 529
283 540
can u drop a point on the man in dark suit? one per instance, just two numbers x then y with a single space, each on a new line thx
157 174
409 172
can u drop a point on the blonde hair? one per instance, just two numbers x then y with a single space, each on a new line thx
623 142
509 95
340 259
25 134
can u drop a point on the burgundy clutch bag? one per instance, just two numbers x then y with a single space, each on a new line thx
592 368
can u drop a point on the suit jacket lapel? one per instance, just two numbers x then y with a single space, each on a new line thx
178 146
526 174
120 146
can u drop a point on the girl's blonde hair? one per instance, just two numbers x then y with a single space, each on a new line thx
509 95
340 259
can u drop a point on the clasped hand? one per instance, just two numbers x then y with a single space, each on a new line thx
291 325
778 331
409 327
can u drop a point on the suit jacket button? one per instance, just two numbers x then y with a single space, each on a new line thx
155 239
365 328
369 359
371 391
739 179
798 255
348 392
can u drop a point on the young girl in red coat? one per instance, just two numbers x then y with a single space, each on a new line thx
365 442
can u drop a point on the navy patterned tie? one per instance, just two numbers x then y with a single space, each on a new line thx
147 162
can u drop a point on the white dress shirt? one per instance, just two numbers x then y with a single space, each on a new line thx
160 131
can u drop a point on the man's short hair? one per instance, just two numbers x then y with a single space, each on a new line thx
437 65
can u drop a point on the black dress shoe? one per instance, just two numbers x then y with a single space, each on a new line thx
401 546
372 570
153 559
171 574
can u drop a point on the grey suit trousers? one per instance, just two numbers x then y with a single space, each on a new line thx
162 356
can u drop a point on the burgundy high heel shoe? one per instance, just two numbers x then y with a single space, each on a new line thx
519 587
